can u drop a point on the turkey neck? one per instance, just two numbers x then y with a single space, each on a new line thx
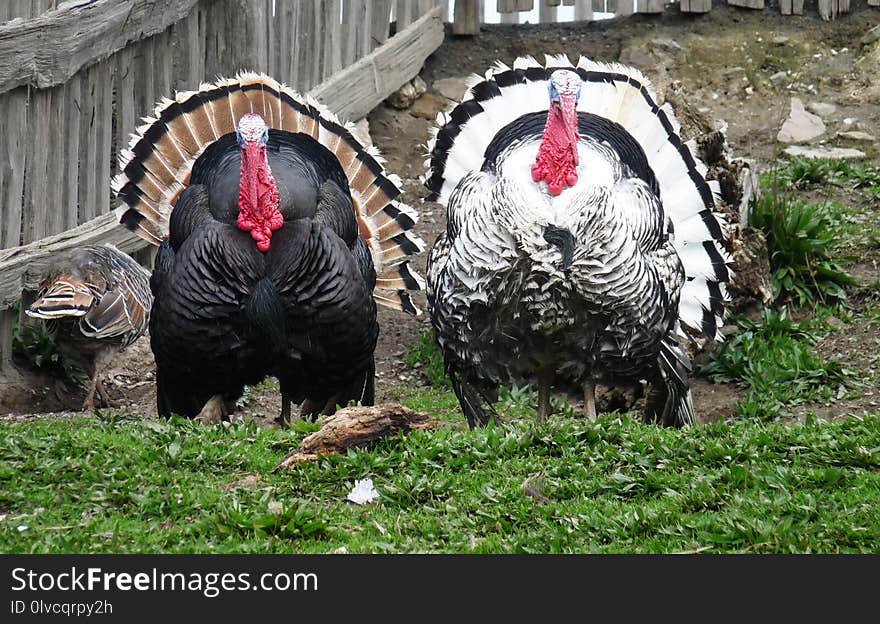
258 196
557 159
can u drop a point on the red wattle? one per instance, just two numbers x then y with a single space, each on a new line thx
557 159
258 197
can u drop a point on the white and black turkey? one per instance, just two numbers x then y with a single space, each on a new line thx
581 243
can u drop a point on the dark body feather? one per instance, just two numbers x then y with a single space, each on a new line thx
227 315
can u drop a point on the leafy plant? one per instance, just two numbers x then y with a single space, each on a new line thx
802 172
34 342
776 360
800 238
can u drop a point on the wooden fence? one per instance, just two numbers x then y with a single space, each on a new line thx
77 76
467 15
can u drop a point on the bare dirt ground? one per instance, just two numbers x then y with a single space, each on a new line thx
738 67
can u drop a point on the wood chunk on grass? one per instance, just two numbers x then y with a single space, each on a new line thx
356 427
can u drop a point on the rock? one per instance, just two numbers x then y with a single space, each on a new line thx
837 153
428 106
361 131
778 76
780 40
823 109
849 121
834 322
856 135
871 36
635 55
800 126
403 97
419 85
451 88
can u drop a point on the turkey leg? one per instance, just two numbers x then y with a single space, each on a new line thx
213 411
89 403
284 418
545 380
590 399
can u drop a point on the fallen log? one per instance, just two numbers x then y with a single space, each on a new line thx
355 427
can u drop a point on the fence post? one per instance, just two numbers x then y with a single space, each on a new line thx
467 18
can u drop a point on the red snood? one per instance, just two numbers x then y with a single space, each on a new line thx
258 196
557 159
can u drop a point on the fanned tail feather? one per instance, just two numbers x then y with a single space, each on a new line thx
623 95
156 166
67 297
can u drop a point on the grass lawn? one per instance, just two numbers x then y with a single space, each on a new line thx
123 484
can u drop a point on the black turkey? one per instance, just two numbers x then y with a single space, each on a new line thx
96 301
581 244
278 233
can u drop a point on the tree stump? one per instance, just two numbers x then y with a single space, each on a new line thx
355 427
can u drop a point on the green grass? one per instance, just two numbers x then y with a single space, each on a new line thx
425 356
122 484
776 360
803 173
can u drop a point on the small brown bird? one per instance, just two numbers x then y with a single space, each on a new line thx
96 301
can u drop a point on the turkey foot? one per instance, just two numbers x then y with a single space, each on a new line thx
213 412
89 403
283 419
545 380
105 396
590 399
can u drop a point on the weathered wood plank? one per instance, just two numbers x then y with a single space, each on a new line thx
748 4
35 188
331 37
88 141
873 2
583 11
506 6
466 18
354 14
792 7
354 91
381 22
14 132
366 36
7 324
56 219
404 13
21 267
305 49
70 190
273 47
651 6
47 50
698 6
186 41
286 18
104 134
163 64
215 41
547 13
